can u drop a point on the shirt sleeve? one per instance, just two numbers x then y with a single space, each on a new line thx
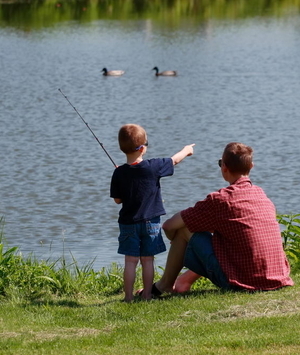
201 217
114 191
166 167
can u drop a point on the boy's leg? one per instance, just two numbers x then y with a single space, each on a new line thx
129 276
148 275
174 260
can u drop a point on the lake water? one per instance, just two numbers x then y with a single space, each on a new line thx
238 81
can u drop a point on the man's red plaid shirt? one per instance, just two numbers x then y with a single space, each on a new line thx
246 235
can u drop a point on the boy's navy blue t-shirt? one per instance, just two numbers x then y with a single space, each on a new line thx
138 187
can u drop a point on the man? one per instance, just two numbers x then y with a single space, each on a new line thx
232 237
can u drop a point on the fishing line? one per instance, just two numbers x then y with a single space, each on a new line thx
101 145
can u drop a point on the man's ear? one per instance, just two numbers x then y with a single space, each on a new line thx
224 167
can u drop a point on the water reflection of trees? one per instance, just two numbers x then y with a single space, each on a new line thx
40 13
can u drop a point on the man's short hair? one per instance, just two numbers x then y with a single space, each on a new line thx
131 136
238 158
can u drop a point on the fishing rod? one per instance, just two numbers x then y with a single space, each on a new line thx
101 145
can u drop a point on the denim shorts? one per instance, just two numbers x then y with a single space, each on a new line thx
201 259
141 239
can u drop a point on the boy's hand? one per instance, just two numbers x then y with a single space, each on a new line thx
185 152
190 149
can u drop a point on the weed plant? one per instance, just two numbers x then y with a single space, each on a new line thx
291 238
31 279
58 308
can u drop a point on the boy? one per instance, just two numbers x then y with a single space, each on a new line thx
136 185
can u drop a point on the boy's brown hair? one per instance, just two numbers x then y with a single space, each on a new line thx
238 158
131 137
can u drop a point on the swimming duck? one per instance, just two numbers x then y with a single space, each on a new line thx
165 73
112 72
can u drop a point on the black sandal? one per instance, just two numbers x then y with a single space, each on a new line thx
154 291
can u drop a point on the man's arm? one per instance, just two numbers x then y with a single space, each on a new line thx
172 224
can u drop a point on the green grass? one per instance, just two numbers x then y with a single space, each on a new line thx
58 308
201 322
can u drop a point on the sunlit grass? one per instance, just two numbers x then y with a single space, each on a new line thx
31 279
201 322
59 308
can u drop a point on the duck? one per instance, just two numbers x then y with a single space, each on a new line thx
165 73
112 72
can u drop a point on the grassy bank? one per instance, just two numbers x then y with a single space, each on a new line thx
201 322
55 308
